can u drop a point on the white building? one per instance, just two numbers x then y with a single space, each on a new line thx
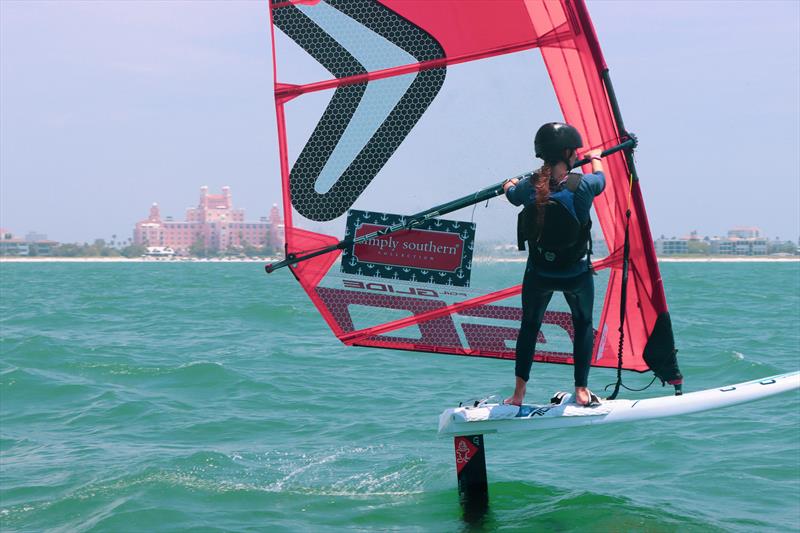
744 232
671 246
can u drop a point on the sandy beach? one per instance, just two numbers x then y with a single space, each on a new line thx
764 259
137 260
704 259
265 260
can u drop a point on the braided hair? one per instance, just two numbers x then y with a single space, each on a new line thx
542 187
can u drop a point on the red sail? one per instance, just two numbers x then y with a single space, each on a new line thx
383 75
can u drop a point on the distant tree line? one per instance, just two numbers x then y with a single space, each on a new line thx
102 248
99 248
199 249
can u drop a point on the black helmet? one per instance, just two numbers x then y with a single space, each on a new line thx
553 138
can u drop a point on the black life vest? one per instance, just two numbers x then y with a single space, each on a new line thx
562 240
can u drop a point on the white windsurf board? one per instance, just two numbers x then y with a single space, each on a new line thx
500 418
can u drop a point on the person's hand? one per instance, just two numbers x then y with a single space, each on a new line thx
596 157
510 183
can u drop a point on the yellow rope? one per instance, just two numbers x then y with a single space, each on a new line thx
630 188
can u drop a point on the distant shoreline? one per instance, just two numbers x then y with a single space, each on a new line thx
265 260
137 260
766 259
704 259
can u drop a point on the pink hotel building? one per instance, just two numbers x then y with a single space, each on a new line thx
214 223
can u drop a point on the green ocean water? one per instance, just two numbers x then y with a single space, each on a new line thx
211 397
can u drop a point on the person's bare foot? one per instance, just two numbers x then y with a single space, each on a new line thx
519 393
583 396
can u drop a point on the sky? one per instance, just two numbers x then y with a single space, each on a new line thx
107 107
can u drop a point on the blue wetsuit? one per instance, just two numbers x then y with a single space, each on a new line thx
575 282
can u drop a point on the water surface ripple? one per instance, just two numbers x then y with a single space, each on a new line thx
209 397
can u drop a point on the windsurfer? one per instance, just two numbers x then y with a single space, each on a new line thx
556 224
